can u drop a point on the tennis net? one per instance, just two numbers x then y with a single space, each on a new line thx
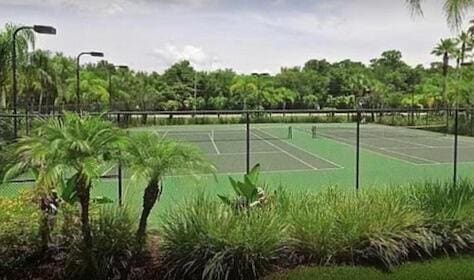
234 134
376 131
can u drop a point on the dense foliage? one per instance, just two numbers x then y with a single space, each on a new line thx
48 79
207 239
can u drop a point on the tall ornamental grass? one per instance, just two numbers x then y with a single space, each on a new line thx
209 240
205 239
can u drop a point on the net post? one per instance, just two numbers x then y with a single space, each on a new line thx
455 161
290 132
357 181
247 121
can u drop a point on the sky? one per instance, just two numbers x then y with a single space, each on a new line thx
245 35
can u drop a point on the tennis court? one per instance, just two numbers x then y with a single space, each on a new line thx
283 148
270 146
415 145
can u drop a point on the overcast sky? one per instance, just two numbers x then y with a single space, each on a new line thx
246 35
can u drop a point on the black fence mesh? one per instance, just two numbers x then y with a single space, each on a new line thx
300 147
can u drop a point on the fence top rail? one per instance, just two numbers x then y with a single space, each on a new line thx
240 112
279 111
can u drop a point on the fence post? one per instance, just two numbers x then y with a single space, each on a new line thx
247 116
119 175
357 152
455 163
472 122
27 124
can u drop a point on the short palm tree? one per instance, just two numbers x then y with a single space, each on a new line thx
33 155
151 158
80 147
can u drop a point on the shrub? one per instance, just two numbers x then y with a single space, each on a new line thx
113 230
338 226
19 239
449 211
208 240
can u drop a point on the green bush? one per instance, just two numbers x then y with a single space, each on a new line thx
449 211
19 239
206 239
338 226
114 242
383 227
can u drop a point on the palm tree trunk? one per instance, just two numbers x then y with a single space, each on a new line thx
3 99
40 102
83 193
150 197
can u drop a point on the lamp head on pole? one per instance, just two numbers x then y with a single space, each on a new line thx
97 54
44 29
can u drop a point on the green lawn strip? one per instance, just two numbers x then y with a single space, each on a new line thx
442 269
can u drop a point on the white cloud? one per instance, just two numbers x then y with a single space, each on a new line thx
170 54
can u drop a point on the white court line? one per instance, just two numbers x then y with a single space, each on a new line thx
408 155
306 151
264 172
386 149
398 140
434 147
286 152
214 144
244 153
164 134
343 142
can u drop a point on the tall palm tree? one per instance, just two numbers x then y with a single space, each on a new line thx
455 10
151 158
446 48
465 39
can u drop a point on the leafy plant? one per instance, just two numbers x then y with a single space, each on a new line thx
248 192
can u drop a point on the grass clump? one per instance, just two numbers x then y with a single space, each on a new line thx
209 240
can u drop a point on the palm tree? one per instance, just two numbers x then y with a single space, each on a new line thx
151 158
24 39
33 155
80 147
465 39
39 80
455 10
446 48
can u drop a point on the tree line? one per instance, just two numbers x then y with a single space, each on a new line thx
47 82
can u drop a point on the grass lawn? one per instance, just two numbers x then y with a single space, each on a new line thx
442 269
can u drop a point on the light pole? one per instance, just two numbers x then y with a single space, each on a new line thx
112 68
41 29
78 83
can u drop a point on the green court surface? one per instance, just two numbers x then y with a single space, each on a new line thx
304 157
